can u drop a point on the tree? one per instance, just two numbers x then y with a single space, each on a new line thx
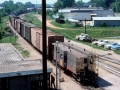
57 6
20 7
67 3
116 6
102 3
29 5
79 3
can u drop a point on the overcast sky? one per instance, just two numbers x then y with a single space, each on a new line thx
38 1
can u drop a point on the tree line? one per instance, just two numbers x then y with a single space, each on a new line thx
113 4
10 7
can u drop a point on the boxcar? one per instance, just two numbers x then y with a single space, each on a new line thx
25 30
18 21
36 39
12 20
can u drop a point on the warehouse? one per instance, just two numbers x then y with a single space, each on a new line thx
17 73
84 13
108 21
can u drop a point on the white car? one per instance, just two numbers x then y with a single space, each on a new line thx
110 45
103 43
96 42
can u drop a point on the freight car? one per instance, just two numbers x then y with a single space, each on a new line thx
17 24
36 39
33 34
12 20
81 65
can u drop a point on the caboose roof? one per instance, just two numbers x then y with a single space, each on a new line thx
72 51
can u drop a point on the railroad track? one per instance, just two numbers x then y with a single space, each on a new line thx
109 68
102 57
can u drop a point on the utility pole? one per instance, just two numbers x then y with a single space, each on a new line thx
57 57
85 26
44 44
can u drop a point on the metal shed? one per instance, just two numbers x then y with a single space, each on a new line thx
19 74
109 21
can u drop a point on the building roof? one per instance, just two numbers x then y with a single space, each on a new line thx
13 64
28 67
106 18
8 54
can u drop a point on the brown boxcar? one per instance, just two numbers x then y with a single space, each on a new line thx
26 30
12 20
36 39
18 21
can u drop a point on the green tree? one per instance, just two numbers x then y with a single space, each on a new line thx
116 6
57 6
102 3
29 5
66 3
79 3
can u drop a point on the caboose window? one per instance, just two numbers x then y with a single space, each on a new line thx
85 60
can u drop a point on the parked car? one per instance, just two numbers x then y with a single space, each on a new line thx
96 42
103 43
116 47
108 46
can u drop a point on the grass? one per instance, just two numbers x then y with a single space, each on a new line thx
4 23
65 25
95 32
24 53
32 19
117 51
9 39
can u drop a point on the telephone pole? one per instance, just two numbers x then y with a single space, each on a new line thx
85 26
44 44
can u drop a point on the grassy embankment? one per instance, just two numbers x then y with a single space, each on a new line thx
24 53
12 38
96 32
32 19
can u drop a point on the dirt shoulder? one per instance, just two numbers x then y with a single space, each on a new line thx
48 22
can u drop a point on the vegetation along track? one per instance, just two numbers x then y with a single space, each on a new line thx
109 68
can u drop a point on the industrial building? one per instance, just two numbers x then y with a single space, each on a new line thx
19 74
109 21
84 13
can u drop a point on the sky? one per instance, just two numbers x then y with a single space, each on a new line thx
38 1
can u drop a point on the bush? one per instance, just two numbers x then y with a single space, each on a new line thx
58 20
104 25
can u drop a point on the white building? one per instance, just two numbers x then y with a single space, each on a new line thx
109 21
84 13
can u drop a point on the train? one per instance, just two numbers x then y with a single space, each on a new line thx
79 62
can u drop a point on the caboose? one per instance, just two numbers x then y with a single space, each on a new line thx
82 66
